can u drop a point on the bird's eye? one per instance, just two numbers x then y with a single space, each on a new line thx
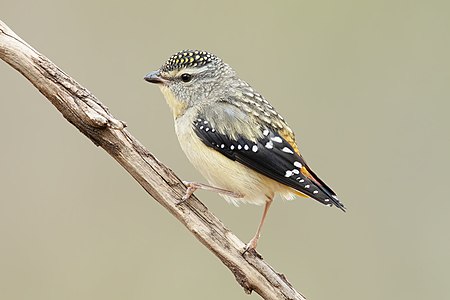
186 77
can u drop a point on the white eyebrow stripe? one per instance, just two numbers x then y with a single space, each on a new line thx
190 70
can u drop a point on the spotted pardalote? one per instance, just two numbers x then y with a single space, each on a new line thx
234 136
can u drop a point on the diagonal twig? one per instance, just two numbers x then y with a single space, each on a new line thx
81 108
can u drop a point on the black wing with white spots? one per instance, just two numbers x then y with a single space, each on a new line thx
271 156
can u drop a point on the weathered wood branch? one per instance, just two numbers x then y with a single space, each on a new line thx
93 119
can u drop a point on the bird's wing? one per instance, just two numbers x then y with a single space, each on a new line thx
268 152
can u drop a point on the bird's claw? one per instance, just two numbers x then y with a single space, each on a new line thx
251 250
191 188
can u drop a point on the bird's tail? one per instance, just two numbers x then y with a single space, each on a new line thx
324 195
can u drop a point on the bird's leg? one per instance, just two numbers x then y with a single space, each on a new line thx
254 241
193 186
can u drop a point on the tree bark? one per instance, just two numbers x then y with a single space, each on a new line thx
81 108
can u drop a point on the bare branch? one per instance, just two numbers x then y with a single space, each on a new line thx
81 108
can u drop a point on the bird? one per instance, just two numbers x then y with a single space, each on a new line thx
233 136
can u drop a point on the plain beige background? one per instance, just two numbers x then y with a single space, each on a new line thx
365 85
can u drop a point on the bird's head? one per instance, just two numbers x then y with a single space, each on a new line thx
192 77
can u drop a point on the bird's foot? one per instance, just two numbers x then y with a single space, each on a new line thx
251 247
193 186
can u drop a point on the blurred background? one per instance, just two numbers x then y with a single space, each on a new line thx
364 84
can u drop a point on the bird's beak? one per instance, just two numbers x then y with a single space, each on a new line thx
154 77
